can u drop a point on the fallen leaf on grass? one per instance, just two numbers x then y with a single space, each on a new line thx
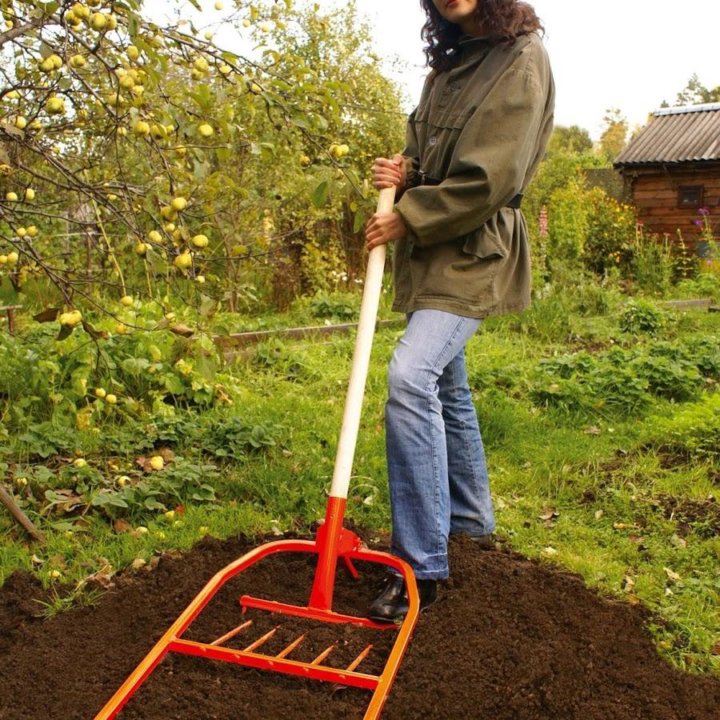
103 576
625 526
122 526
672 576
592 430
628 584
102 579
222 396
549 513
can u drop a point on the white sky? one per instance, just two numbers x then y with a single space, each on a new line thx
625 54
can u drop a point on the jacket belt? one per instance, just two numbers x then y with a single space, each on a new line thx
424 179
515 202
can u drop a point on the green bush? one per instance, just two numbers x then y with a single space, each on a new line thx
611 228
704 285
640 316
620 381
233 438
568 224
653 264
344 308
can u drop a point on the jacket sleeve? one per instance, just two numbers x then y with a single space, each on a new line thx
490 161
411 153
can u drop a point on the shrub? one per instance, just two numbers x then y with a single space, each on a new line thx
652 264
672 378
343 308
703 285
568 224
611 228
640 316
621 381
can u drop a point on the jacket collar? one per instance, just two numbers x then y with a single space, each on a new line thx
474 48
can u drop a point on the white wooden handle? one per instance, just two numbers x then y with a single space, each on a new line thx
361 358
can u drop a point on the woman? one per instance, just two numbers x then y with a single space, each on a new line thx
461 253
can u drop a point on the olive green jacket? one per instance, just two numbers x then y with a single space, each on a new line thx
481 129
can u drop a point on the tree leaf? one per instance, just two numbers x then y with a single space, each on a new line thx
65 332
93 333
49 315
320 194
182 330
358 221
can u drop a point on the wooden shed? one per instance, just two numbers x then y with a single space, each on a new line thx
671 170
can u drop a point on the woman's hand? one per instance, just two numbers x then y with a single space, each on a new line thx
389 173
383 228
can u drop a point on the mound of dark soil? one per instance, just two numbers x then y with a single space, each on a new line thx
509 639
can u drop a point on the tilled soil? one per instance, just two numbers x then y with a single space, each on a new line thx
508 639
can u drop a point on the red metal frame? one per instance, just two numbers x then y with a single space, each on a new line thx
332 542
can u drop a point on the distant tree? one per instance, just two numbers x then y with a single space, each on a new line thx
695 93
614 136
571 139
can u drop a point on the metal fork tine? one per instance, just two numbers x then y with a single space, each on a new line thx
230 635
263 639
291 647
323 654
359 658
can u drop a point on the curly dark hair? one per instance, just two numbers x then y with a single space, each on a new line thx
504 19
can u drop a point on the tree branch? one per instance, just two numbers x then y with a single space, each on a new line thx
10 35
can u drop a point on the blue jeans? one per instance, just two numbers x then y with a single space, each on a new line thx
436 461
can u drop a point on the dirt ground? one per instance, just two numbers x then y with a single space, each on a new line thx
509 639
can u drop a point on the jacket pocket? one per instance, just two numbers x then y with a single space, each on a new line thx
485 243
441 119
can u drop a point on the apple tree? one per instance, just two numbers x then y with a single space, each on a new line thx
138 158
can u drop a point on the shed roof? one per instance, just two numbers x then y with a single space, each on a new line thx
676 135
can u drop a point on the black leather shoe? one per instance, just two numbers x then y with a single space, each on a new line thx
392 604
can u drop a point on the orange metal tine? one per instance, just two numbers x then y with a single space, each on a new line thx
260 641
290 647
230 635
351 568
323 654
359 658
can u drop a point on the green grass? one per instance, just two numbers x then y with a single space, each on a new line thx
615 491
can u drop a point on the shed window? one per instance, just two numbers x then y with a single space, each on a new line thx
690 196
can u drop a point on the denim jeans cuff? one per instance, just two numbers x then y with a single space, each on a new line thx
473 531
430 575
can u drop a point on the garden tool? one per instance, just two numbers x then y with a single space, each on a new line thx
333 542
